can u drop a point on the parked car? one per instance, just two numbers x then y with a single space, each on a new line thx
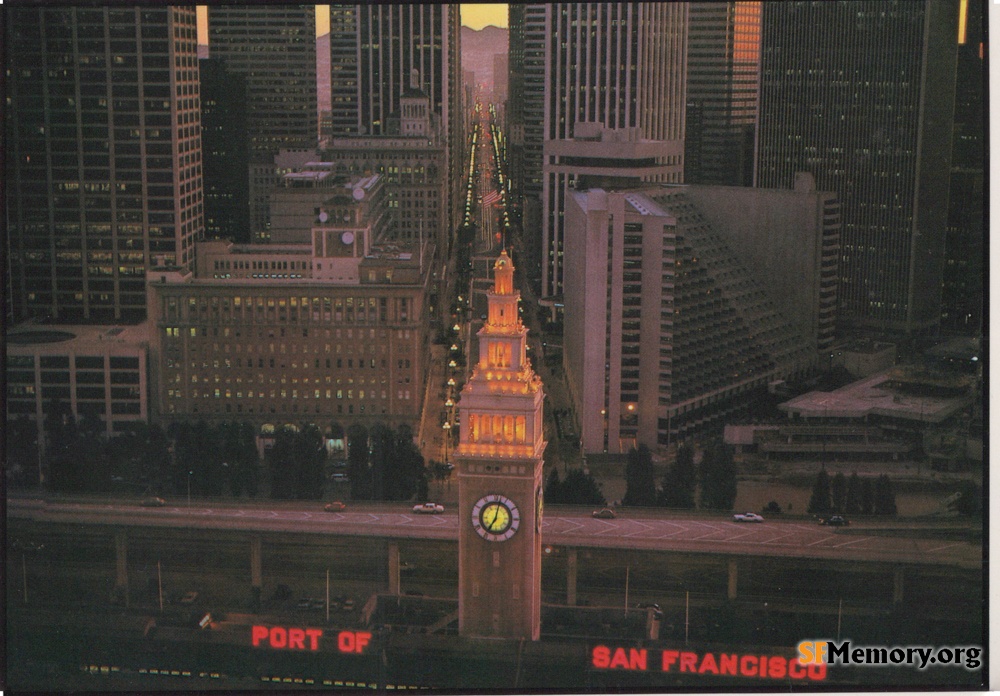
648 605
153 501
303 604
189 597
835 521
338 478
429 508
604 514
335 506
747 517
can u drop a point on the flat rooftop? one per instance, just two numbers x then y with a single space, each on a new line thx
874 396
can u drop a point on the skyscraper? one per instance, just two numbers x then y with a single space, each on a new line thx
723 69
374 50
274 48
226 152
103 169
620 65
861 94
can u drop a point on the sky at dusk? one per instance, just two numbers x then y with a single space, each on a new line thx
474 16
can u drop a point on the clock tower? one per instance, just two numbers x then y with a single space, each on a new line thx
499 467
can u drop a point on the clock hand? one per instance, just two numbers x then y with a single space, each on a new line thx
496 513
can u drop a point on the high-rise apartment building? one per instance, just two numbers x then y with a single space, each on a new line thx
103 148
621 65
226 152
374 51
723 70
274 48
861 94
667 328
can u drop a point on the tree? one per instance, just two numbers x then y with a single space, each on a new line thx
22 451
553 488
280 461
718 478
408 475
867 497
819 502
309 459
969 500
838 492
357 462
852 500
640 482
885 497
581 488
680 480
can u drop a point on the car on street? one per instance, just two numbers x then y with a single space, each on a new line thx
835 521
747 517
338 478
304 603
335 506
429 509
153 501
189 597
604 514
648 605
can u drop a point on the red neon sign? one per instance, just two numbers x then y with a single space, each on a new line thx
290 638
724 664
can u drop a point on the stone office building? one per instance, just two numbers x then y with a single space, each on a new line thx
303 345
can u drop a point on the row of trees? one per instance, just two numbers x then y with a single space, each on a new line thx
578 488
384 464
712 483
205 459
852 496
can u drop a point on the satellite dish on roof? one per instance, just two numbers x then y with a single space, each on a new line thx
323 217
347 237
359 193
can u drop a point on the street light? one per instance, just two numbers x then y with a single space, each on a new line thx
189 487
447 436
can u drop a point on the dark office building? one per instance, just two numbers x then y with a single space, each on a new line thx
861 94
274 48
225 151
964 278
723 69
103 155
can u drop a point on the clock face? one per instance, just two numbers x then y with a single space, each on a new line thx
495 517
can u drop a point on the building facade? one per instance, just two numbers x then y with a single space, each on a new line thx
274 48
374 51
723 73
861 95
226 152
104 170
667 332
292 349
621 65
98 371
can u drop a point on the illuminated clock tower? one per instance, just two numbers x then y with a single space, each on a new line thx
499 466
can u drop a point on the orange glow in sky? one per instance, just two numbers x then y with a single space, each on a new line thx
474 16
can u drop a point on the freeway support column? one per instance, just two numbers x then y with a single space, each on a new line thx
256 572
393 567
571 577
897 585
121 564
733 577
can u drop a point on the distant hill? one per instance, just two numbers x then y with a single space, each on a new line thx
478 49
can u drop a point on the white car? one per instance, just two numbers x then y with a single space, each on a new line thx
429 508
747 517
